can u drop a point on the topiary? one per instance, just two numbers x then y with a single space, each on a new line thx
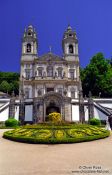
94 121
11 122
55 117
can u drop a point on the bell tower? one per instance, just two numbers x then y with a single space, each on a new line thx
29 53
70 45
29 44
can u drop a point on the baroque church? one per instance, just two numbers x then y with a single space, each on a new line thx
49 82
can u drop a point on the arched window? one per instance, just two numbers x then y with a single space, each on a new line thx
50 71
70 48
29 33
28 47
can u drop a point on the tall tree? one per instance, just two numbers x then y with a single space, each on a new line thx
9 82
4 86
97 77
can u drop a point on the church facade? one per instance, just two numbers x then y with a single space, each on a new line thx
49 82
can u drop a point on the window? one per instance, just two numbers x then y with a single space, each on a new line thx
60 72
28 47
28 66
70 35
72 94
27 73
40 71
29 33
60 91
50 71
70 48
39 92
26 93
71 72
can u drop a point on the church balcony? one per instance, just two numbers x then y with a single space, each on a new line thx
58 79
55 78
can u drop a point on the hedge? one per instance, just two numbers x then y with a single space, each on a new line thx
11 122
57 135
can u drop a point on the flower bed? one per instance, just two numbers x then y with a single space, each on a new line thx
70 133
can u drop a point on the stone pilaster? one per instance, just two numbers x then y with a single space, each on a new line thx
68 109
38 115
81 110
22 111
90 106
41 113
81 104
35 110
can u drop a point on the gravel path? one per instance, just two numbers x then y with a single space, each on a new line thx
89 158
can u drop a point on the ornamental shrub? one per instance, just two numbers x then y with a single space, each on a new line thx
59 135
55 117
11 122
94 121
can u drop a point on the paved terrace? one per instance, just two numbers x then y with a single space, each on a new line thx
61 159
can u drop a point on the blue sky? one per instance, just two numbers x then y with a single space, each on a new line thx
92 20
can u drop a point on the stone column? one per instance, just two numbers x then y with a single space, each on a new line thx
41 112
62 111
90 106
68 109
81 108
12 108
35 110
22 111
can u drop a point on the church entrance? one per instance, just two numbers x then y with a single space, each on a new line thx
52 108
53 102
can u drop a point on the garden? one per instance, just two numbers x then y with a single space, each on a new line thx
55 131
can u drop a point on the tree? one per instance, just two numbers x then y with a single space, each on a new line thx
97 77
10 82
4 86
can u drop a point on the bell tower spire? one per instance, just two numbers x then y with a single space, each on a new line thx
70 45
29 42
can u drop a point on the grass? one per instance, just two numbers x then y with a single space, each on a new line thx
52 134
9 127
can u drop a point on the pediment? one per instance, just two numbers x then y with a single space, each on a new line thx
50 57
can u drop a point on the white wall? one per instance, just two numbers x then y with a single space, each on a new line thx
75 113
99 115
4 114
28 112
108 105
86 113
16 112
1 104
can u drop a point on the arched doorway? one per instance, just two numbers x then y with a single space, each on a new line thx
52 108
53 102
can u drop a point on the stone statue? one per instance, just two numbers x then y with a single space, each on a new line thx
107 127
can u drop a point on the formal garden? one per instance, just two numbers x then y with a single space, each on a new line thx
55 131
